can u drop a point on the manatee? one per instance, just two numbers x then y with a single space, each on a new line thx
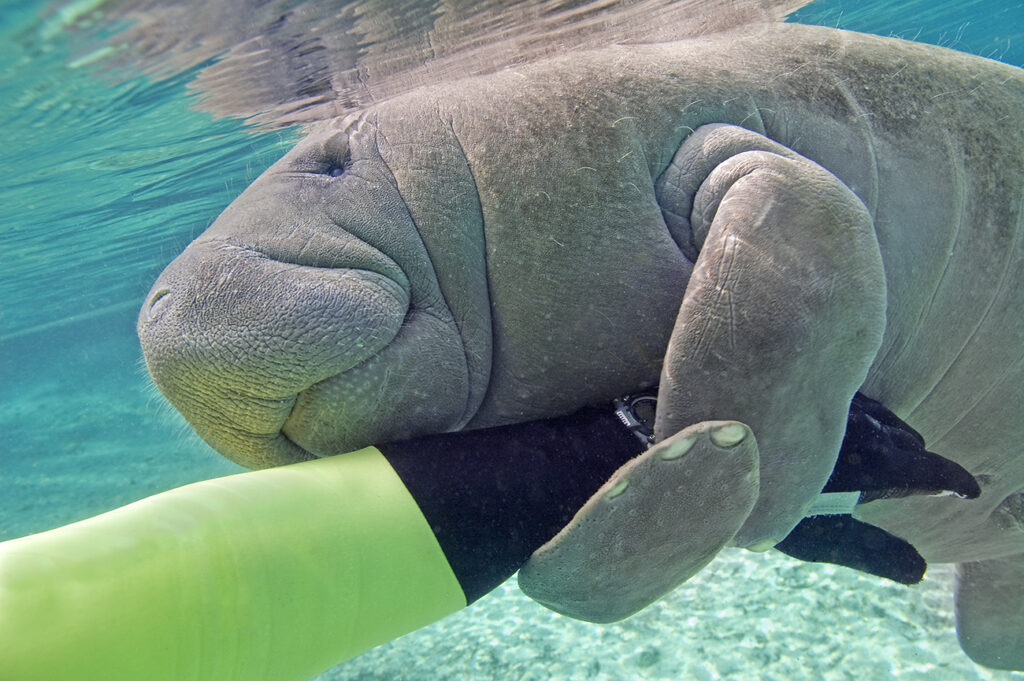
760 222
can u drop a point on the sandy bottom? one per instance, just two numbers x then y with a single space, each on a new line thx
746 616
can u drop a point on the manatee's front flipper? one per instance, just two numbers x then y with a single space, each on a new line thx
656 522
990 611
881 457
782 315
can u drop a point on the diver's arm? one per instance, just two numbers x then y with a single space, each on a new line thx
494 496
282 573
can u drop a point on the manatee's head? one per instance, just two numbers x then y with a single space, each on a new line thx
308 320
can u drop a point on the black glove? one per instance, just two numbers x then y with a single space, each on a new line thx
881 457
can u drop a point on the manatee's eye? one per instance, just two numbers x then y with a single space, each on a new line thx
336 155
334 168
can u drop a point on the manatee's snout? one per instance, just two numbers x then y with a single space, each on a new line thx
232 337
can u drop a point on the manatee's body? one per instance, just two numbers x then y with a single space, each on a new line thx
524 263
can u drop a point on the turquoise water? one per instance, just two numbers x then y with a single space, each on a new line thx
104 180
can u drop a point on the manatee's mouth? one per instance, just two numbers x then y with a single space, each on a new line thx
417 383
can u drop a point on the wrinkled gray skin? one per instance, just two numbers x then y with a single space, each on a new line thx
511 247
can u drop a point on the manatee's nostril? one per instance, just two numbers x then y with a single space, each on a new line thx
158 303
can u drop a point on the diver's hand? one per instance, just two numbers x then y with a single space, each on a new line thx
881 458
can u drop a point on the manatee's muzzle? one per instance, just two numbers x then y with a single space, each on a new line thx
231 337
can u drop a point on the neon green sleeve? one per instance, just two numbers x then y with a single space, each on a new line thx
270 575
